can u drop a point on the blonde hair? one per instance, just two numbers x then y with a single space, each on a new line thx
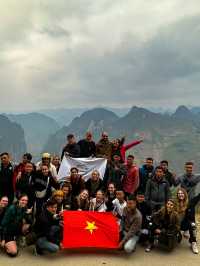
58 193
180 209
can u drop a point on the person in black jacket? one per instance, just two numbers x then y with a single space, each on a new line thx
110 194
47 229
145 210
71 149
3 208
67 196
76 181
115 172
94 184
6 177
43 183
168 175
87 146
24 183
157 190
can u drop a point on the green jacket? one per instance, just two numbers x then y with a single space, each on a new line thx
13 220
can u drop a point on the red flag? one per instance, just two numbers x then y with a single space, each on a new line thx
90 229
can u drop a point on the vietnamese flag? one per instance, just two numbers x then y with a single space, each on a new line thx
90 229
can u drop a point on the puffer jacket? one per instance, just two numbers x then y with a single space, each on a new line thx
157 193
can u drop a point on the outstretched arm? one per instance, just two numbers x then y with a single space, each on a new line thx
132 144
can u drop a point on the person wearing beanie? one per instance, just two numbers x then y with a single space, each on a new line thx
46 160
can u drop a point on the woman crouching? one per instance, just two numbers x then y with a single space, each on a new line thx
165 227
14 224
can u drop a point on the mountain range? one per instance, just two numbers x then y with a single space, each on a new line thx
64 116
175 137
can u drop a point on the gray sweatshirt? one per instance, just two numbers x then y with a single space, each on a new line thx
131 223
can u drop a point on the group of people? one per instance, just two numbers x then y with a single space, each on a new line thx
152 206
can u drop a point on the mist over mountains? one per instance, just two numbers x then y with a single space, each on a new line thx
175 137
12 138
37 129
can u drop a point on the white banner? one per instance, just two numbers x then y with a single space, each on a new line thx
85 166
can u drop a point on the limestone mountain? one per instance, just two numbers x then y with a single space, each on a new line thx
11 138
173 137
95 120
182 112
64 116
37 128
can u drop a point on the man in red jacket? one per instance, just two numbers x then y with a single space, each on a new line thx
131 180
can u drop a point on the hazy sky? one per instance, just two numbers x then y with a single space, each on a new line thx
71 53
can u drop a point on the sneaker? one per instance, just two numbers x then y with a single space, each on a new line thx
194 248
148 248
22 242
37 251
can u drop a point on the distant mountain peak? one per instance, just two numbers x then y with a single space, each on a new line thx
96 115
136 109
96 120
99 113
182 108
140 113
183 112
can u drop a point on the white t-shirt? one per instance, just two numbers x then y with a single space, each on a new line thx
97 207
118 207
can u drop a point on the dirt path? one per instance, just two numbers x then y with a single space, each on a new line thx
181 256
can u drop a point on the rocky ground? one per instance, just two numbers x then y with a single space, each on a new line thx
181 256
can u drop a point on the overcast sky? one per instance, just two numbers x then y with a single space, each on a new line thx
84 53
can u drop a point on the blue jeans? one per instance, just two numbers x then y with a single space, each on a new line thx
44 245
130 245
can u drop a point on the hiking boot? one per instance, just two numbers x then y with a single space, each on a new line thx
194 248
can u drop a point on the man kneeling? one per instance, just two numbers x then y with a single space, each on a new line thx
47 229
131 225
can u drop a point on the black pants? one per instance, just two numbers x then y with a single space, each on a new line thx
55 234
186 224
39 203
166 239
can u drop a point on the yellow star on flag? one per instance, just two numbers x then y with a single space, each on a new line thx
91 226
